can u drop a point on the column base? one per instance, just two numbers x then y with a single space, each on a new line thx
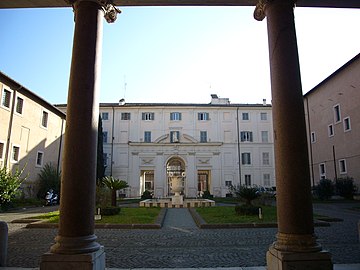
282 260
86 261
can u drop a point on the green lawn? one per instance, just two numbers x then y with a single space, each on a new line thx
126 216
226 214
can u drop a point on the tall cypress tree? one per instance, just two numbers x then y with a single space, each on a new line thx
100 167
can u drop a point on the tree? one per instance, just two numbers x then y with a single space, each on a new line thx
100 167
49 178
114 184
9 184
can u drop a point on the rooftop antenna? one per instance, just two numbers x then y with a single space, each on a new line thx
125 84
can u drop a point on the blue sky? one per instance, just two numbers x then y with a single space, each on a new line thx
168 54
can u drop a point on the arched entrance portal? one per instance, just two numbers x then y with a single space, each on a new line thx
175 167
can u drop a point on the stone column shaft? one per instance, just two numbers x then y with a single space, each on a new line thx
76 228
294 202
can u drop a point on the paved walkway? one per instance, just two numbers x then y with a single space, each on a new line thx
179 219
180 244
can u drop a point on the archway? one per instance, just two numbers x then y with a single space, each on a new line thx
175 166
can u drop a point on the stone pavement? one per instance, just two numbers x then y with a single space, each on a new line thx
180 244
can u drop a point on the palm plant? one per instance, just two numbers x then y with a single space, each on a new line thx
114 184
49 178
246 193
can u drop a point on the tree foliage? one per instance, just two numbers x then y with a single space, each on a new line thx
100 167
9 184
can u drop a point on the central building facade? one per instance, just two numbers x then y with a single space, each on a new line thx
213 146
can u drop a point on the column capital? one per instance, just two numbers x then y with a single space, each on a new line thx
109 9
259 12
260 9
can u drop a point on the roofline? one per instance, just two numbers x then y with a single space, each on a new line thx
333 74
128 105
14 85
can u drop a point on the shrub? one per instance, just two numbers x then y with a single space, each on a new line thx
49 178
146 195
264 199
103 196
247 210
9 185
207 195
325 189
110 211
345 187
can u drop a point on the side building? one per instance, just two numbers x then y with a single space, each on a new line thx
31 132
213 145
333 124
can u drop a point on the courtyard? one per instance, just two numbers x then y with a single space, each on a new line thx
180 244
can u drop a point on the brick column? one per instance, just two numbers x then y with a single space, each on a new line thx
76 246
296 246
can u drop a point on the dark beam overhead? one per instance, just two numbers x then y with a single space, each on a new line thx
120 3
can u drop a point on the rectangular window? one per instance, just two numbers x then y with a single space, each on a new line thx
203 136
263 116
105 116
203 116
147 136
246 158
347 125
246 136
19 105
266 179
331 130
105 158
6 97
105 136
175 116
44 119
148 116
125 116
266 158
39 159
228 183
322 171
342 165
174 136
2 150
337 114
15 153
245 116
313 137
247 179
264 136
